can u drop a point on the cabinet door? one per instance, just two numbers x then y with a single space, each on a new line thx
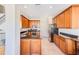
62 44
25 47
58 41
70 48
25 22
75 17
36 47
68 22
55 39
60 21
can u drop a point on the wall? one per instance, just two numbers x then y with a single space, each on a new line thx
17 30
9 28
44 27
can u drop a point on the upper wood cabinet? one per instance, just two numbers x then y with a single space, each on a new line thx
75 16
69 18
24 22
34 22
60 21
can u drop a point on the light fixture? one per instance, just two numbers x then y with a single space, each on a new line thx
25 6
50 6
37 4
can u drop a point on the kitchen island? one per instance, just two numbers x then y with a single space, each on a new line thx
30 47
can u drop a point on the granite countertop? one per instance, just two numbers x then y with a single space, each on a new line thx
66 35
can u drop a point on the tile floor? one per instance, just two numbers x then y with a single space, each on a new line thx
49 48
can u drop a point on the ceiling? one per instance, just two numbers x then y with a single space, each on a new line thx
37 11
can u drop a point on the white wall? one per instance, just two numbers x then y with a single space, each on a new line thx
44 27
17 30
9 28
12 29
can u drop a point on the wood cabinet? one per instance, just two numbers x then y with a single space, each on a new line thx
56 40
60 21
66 45
75 16
24 22
30 47
57 21
25 47
62 44
70 46
69 18
34 22
36 47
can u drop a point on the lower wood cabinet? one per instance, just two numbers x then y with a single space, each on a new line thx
25 47
66 45
36 47
30 47
56 40
62 44
70 46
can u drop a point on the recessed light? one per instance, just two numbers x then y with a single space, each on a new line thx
50 6
25 6
37 4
